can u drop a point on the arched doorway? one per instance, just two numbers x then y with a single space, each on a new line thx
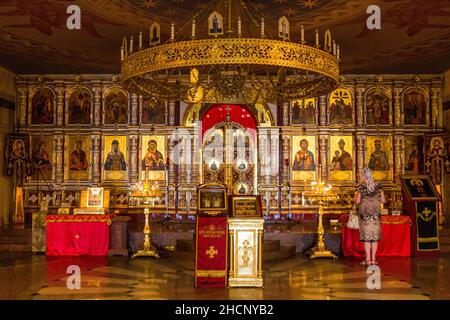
229 148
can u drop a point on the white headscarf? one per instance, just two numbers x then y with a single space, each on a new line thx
367 176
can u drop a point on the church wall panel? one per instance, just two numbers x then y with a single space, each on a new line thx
279 144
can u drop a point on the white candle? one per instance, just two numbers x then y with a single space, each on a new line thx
317 38
140 40
334 48
172 31
131 44
302 29
121 53
337 53
193 29
239 26
262 27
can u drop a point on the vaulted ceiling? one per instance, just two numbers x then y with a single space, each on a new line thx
414 38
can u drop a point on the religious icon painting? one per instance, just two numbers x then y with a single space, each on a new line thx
18 157
378 106
215 24
155 34
114 158
414 157
341 161
153 157
115 107
283 28
415 107
78 158
43 106
379 156
153 112
304 158
79 106
42 157
304 111
341 107
265 119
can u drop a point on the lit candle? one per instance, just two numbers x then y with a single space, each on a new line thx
121 53
317 38
172 31
239 26
262 27
334 48
193 29
302 30
140 40
337 52
131 44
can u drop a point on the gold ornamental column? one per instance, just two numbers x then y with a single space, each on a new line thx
398 154
171 110
435 112
134 109
22 116
360 149
397 104
285 107
360 89
96 177
323 110
60 92
286 159
323 151
134 150
97 105
59 164
229 156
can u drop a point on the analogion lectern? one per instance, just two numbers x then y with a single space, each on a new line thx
420 202
246 228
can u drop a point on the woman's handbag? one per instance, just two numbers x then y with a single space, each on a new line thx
353 220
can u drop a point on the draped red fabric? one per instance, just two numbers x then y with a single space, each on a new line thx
218 113
211 252
395 241
77 238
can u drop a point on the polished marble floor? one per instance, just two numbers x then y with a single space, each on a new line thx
40 277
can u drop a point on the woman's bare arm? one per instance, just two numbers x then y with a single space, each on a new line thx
382 197
357 198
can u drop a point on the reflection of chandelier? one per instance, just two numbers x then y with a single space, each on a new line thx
237 58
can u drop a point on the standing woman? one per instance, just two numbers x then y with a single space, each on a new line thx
369 197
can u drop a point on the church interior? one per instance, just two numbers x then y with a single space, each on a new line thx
193 149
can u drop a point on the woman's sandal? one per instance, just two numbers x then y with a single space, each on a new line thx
365 262
374 262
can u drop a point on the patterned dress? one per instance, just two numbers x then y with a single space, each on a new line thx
370 214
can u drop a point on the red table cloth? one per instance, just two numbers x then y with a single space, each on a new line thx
77 235
395 238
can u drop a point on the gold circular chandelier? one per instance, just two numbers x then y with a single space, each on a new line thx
208 62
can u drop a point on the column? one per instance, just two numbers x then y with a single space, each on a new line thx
134 150
398 156
171 106
323 110
323 151
195 156
60 92
97 106
59 164
360 149
264 160
134 105
96 158
397 104
274 156
360 89
172 182
285 113
286 159
435 114
22 116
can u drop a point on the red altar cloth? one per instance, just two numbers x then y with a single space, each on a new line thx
395 238
77 235
211 252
